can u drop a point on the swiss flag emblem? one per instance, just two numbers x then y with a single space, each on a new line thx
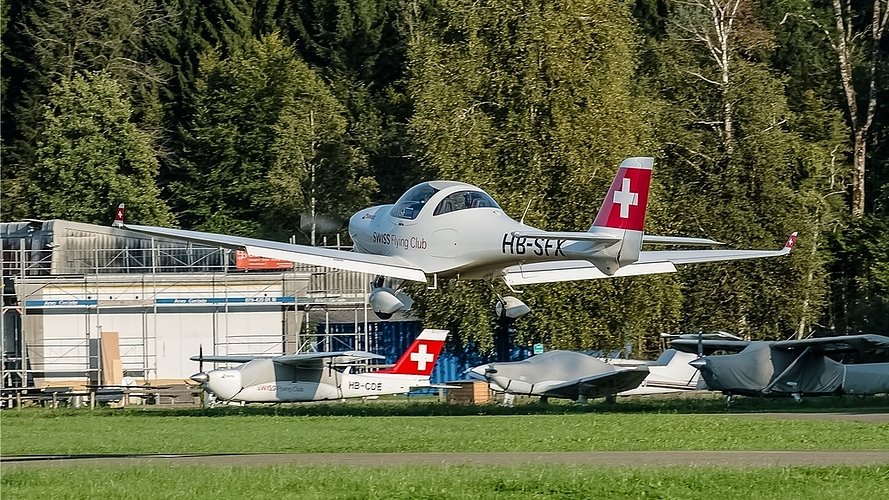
422 357
625 203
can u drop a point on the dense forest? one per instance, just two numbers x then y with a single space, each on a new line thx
242 116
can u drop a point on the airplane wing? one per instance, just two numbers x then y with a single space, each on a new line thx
650 262
339 259
709 346
317 359
837 345
596 386
306 359
227 359
720 335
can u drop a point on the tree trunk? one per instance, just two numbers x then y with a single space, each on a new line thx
859 156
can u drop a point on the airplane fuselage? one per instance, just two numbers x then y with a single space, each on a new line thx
262 381
445 235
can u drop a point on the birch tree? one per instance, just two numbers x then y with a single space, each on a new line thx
856 45
846 41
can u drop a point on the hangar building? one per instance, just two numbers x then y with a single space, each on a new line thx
90 304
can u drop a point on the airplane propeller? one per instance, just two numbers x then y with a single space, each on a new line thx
201 377
324 224
700 342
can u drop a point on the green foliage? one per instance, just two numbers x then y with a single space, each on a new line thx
359 47
48 42
198 26
346 37
67 38
527 101
475 321
267 137
777 175
599 315
535 102
537 105
90 157
861 287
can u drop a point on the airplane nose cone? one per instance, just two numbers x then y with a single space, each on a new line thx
699 363
200 378
483 371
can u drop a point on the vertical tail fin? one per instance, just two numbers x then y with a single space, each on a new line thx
118 217
422 354
623 214
627 199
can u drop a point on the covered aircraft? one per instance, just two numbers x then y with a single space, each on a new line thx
560 374
451 230
810 367
318 376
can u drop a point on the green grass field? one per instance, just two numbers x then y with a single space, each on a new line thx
452 482
423 427
432 427
154 433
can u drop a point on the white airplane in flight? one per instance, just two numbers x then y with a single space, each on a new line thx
451 230
319 376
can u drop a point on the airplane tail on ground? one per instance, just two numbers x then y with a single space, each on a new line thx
118 216
422 354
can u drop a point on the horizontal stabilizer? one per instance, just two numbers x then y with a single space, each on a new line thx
696 256
650 262
571 270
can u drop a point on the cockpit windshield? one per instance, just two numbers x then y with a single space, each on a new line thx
461 200
411 202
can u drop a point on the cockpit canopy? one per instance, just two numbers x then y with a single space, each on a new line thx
412 202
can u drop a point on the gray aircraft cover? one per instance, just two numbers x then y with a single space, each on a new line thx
803 367
561 374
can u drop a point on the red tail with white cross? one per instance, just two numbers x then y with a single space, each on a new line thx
626 201
421 356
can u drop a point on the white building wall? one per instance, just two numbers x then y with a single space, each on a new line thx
160 324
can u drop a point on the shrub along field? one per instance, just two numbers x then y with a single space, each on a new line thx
392 427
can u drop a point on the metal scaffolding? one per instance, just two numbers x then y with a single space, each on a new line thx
77 279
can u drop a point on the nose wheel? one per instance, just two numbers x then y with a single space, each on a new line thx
386 298
510 307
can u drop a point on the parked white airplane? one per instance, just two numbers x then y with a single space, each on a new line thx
671 372
318 376
446 229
